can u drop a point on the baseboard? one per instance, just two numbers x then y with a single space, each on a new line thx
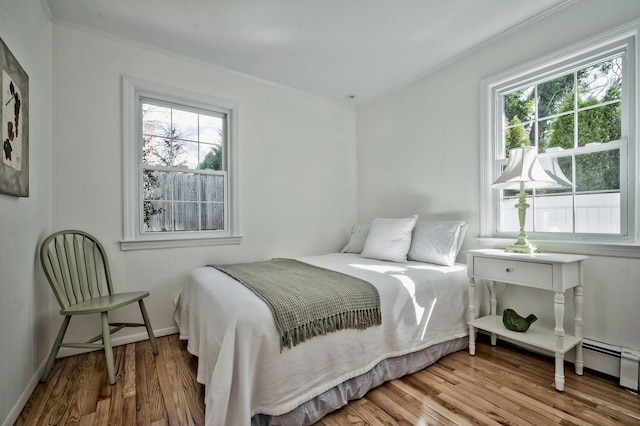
118 341
598 356
22 401
65 352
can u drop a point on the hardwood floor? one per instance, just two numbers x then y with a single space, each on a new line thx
149 390
499 386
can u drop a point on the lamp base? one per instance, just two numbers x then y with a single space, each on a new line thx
523 246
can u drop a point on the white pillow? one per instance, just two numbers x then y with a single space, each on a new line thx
437 242
356 241
389 239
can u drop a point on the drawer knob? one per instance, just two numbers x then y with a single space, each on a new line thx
509 270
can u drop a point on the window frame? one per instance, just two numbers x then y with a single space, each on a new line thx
134 90
553 65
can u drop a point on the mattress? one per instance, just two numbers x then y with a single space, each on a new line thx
245 374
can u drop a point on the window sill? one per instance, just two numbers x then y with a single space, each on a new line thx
625 250
147 244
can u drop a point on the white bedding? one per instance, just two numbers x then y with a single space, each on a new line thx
233 334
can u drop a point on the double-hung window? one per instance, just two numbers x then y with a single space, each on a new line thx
578 108
179 168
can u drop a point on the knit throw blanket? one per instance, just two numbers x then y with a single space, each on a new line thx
307 300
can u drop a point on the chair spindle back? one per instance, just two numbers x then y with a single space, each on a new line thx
76 266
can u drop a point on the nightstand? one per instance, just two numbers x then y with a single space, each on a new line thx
546 271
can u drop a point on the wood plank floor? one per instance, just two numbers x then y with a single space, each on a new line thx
499 386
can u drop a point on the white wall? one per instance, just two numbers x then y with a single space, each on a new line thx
297 166
418 151
26 31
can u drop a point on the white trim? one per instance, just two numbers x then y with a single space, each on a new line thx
118 341
593 248
602 362
360 102
134 239
47 9
191 59
470 51
625 37
129 156
13 415
127 245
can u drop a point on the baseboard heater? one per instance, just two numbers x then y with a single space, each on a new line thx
614 360
601 348
629 368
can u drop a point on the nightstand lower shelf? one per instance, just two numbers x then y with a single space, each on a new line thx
537 336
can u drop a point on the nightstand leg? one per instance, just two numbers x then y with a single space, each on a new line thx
559 331
493 308
577 304
472 316
559 371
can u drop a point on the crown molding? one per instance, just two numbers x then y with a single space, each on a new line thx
472 50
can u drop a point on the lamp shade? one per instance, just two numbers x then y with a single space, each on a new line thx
523 166
552 168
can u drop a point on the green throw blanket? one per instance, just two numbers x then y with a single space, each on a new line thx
307 300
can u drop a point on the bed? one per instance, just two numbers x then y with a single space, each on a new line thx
248 378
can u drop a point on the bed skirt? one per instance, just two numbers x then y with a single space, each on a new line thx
315 409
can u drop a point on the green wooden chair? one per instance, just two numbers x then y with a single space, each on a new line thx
77 268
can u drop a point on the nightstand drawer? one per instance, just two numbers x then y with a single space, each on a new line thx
531 274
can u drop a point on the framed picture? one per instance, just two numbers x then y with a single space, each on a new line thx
14 119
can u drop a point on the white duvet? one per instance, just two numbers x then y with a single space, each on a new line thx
233 334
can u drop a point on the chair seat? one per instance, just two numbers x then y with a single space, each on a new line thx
104 303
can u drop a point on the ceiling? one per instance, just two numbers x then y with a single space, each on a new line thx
349 50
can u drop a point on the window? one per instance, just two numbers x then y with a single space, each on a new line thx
180 174
578 109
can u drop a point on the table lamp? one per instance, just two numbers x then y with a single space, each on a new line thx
523 171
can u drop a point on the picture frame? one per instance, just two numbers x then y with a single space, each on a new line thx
14 125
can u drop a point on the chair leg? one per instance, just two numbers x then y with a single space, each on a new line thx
147 323
108 351
55 348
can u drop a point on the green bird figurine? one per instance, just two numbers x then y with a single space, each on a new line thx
515 322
